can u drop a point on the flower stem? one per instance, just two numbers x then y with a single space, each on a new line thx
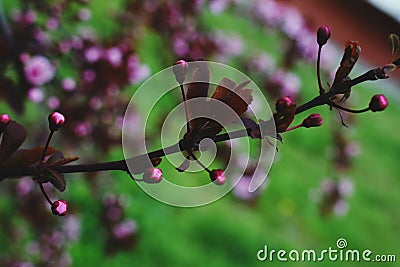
186 108
349 110
47 145
198 161
321 89
44 193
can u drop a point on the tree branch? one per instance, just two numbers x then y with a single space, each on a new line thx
121 165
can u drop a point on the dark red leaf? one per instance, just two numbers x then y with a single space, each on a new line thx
234 96
283 121
63 161
57 179
13 137
198 87
394 42
351 53
27 157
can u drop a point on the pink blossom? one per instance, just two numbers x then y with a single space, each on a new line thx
219 6
83 129
64 47
289 82
92 54
42 37
89 75
268 11
38 70
292 23
35 95
68 84
84 14
95 103
231 45
25 186
125 229
180 46
52 24
76 43
114 56
137 72
24 57
53 102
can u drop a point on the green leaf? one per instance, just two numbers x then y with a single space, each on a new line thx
394 42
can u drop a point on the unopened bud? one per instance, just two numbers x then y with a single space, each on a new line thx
4 120
314 120
180 69
59 207
389 68
323 35
56 121
283 104
218 177
378 103
152 175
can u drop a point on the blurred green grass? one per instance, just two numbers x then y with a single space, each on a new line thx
229 233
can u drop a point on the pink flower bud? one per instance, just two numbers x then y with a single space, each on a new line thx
218 177
180 69
59 207
56 121
314 120
4 120
378 103
152 175
283 104
323 35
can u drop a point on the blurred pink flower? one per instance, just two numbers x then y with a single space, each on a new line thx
68 84
35 95
92 54
53 102
288 82
219 6
64 47
125 229
114 56
180 46
41 36
83 129
76 43
89 75
84 14
52 23
38 70
137 72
